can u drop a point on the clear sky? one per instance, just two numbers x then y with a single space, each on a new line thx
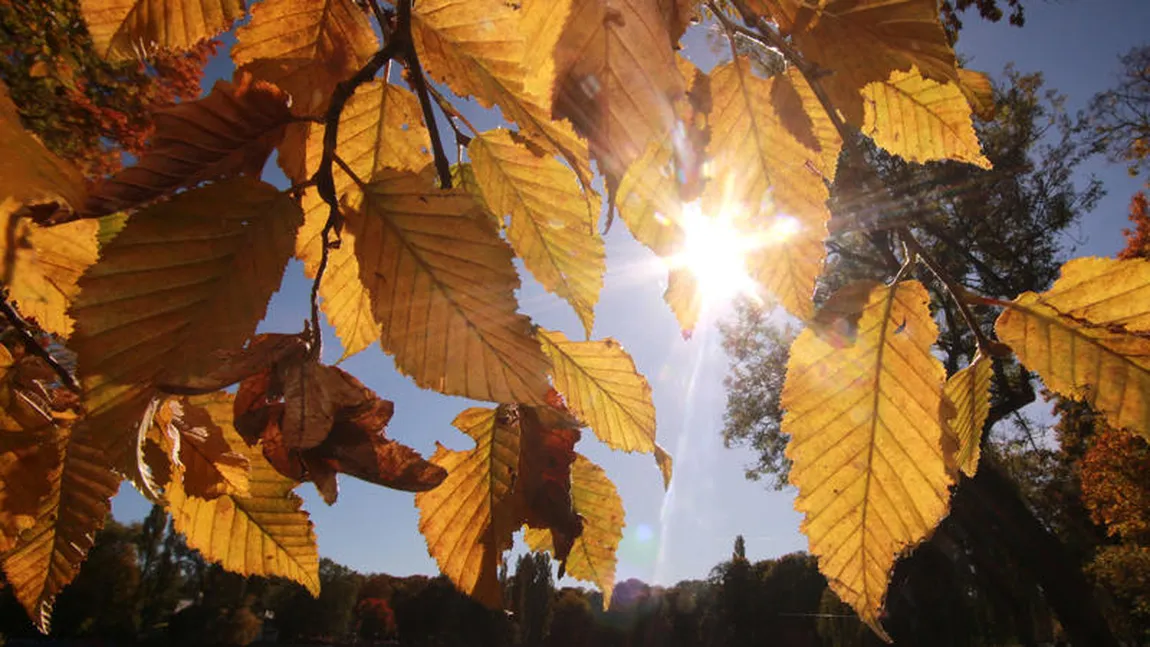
682 533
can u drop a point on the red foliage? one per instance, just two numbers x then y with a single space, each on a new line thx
375 618
1116 483
1138 238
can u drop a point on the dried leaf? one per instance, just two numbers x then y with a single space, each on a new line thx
29 467
979 92
314 396
546 452
262 351
549 218
207 464
603 388
442 284
866 443
121 28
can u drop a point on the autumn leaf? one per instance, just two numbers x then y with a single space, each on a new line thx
29 466
1087 337
682 294
442 285
979 92
789 15
47 556
119 28
602 387
665 463
262 351
204 461
314 395
542 23
265 532
550 226
469 519
30 174
184 280
305 47
773 180
593 555
969 391
28 401
649 199
478 49
546 452
229 132
921 120
866 443
617 78
860 42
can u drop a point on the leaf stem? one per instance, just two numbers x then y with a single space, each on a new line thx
956 291
32 346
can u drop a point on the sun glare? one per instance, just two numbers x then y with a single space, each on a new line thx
715 251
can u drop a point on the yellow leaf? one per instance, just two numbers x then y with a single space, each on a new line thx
617 78
789 15
468 520
803 115
599 381
592 556
184 279
209 466
305 47
29 173
969 391
921 120
381 127
542 24
265 532
979 92
866 443
774 182
442 284
120 27
48 555
863 41
478 49
29 464
229 132
682 294
649 200
549 218
45 264
664 461
1087 337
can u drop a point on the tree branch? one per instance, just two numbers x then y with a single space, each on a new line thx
32 346
419 84
956 291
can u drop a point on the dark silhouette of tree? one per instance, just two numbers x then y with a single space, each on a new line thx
531 596
1120 117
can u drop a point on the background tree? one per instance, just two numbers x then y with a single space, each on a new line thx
1120 117
532 592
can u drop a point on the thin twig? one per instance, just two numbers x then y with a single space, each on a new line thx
956 291
350 173
461 138
32 346
419 84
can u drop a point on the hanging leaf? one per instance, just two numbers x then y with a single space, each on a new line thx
30 175
649 199
183 280
617 79
979 92
305 47
478 49
47 556
265 532
205 462
600 383
29 467
542 25
546 452
468 521
664 461
262 351
549 218
866 443
592 557
1087 337
921 120
442 284
229 132
969 391
773 180
120 28
682 294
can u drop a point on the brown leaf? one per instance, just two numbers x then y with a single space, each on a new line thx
262 352
209 466
547 450
229 132
29 463
314 395
120 27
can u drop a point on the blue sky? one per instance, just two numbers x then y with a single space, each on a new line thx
682 533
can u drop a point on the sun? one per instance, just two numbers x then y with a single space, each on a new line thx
716 252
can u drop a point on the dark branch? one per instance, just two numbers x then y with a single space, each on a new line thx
419 84
32 346
956 291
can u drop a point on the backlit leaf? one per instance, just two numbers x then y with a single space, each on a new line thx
29 466
229 132
119 28
550 226
921 120
602 387
665 463
305 47
866 443
207 464
314 395
617 78
184 279
265 532
682 294
593 555
969 391
29 173
48 555
1087 337
478 49
773 181
442 284
468 520
979 92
